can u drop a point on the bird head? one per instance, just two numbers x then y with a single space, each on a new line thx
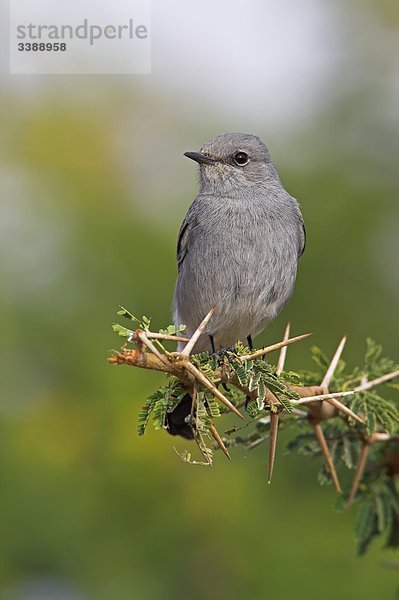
233 162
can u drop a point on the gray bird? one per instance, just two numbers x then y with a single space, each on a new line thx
239 244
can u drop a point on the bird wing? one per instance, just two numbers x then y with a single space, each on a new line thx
302 238
182 240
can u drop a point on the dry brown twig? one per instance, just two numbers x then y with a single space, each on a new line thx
274 415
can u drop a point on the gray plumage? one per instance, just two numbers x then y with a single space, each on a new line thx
239 243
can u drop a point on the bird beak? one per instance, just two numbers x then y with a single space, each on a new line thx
200 158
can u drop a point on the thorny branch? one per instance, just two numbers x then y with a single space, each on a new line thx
237 370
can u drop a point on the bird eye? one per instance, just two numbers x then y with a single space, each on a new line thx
241 158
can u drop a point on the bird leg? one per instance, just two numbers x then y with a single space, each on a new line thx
212 342
251 347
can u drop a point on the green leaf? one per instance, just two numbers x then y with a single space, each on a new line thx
254 380
285 402
377 409
291 377
261 394
239 370
319 358
253 409
145 321
213 406
172 329
347 452
159 413
383 512
123 312
366 526
145 412
122 331
323 476
375 364
371 421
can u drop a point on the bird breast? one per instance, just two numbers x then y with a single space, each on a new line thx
241 257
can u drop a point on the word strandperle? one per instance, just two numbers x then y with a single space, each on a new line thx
84 31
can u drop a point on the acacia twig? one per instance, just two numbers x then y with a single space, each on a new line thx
143 338
194 338
318 397
166 336
358 473
333 365
370 384
202 379
273 347
272 444
326 453
274 415
219 440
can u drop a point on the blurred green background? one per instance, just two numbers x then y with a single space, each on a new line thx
94 188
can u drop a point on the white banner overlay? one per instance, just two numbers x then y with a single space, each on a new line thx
80 37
